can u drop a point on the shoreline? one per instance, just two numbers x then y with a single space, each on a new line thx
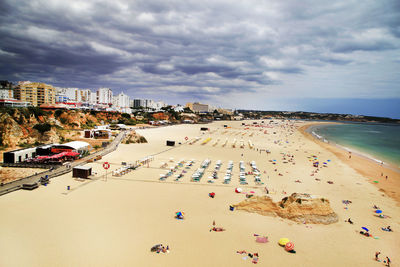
367 167
386 162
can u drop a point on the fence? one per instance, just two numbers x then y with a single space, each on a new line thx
60 170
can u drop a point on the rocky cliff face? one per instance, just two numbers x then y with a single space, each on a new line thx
17 126
297 207
10 131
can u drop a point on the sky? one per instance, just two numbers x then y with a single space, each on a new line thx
322 56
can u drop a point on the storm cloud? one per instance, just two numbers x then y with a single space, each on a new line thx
205 49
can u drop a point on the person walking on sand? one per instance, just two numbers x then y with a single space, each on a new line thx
377 255
388 261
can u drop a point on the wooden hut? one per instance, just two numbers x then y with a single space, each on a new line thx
82 172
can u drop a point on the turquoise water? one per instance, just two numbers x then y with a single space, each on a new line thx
379 141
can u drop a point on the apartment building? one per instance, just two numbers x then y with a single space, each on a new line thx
104 96
35 93
197 107
6 90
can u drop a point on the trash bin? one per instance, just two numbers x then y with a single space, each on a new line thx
68 187
231 208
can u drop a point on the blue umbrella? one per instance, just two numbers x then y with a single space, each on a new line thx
378 211
365 228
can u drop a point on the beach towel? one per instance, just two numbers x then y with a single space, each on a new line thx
262 239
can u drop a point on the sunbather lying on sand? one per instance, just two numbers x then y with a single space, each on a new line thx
349 221
217 229
365 233
387 229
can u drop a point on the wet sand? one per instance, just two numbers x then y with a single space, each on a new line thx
369 168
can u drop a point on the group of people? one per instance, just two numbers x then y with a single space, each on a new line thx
387 260
253 256
160 248
216 229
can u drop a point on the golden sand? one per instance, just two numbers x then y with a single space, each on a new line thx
115 221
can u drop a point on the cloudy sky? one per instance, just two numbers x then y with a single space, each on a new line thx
326 56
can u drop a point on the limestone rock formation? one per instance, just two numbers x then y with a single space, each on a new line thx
297 207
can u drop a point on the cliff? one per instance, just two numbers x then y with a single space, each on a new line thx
32 126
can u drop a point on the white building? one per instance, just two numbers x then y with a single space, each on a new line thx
160 104
121 102
104 96
6 90
178 108
70 93
93 98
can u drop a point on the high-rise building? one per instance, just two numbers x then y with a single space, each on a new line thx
93 98
6 90
104 96
122 100
35 93
83 95
70 94
138 103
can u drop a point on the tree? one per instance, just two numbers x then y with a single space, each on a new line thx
126 115
42 127
187 110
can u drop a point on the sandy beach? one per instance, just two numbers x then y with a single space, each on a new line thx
115 221
365 166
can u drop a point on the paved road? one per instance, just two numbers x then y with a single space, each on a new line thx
16 185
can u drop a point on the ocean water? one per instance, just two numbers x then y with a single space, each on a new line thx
378 141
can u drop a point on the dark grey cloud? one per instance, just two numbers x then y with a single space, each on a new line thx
191 48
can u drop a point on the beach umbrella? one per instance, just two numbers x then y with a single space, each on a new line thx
378 211
328 160
365 228
238 190
289 246
283 241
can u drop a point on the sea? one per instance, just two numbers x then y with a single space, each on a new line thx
380 142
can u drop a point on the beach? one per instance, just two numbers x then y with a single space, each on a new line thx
368 167
115 221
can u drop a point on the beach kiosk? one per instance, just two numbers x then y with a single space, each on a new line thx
82 172
170 143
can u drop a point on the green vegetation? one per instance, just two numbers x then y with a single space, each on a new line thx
36 111
126 115
58 113
187 110
142 139
74 124
42 127
26 145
